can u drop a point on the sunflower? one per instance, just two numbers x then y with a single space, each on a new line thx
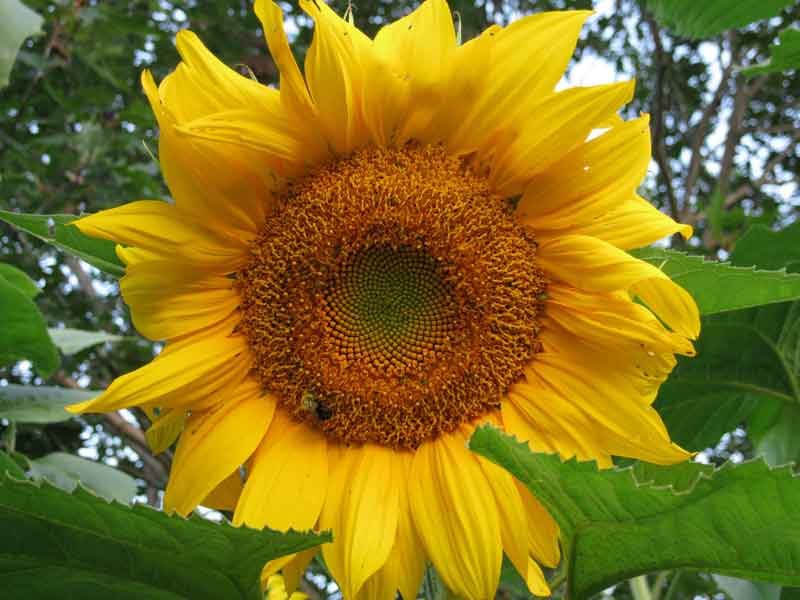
412 237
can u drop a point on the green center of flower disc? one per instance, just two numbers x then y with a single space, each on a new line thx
391 297
390 307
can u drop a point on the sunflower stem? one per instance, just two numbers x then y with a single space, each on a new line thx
673 585
557 581
640 588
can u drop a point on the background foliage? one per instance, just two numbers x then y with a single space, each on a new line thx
76 135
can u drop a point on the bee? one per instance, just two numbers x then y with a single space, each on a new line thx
314 405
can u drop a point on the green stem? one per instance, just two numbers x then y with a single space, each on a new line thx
658 585
673 585
10 437
557 581
640 589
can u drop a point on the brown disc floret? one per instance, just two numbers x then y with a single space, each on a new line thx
391 297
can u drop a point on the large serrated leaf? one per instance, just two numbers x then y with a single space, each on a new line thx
747 368
720 287
39 404
57 231
744 371
741 520
769 249
56 544
710 17
24 331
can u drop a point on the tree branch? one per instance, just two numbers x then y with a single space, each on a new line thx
700 132
657 124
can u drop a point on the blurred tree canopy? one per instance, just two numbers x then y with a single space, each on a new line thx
77 135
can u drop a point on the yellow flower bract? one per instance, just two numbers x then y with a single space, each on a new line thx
600 339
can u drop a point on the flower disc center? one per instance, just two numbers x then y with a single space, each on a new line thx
391 297
389 308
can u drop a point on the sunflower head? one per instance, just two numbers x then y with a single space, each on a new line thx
373 312
409 237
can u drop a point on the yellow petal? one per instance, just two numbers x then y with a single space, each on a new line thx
569 433
592 179
221 186
165 429
168 299
276 589
591 264
535 580
608 412
551 129
203 84
408 553
162 227
528 59
183 377
291 567
293 90
542 530
287 479
294 569
418 49
215 443
226 494
405 566
460 92
362 509
611 322
634 224
294 94
671 303
456 516
335 77
513 526
271 138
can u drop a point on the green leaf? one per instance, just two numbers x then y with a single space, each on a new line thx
719 287
85 547
24 331
10 466
55 230
704 19
780 444
681 477
745 371
19 280
39 404
784 56
72 341
17 22
66 470
769 249
741 520
747 368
